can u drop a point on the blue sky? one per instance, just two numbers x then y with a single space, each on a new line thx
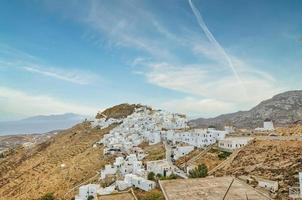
198 57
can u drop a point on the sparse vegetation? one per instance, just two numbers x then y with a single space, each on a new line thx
160 177
155 152
151 195
223 155
151 176
199 172
90 197
119 111
48 196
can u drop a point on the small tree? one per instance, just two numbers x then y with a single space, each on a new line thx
199 172
151 176
48 196
90 197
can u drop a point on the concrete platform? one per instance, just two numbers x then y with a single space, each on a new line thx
209 189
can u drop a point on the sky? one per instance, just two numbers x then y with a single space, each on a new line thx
198 57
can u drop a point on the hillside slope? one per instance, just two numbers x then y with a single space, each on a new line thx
275 160
56 165
283 109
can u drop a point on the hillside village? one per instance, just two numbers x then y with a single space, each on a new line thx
155 126
136 152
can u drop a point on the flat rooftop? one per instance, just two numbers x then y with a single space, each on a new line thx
209 189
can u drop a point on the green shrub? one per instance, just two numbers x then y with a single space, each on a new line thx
151 176
172 176
90 197
48 196
199 172
223 155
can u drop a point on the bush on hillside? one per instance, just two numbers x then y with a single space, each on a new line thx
199 172
48 196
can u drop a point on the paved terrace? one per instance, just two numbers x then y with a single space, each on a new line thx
209 189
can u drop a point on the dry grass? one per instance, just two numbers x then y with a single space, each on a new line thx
119 111
210 159
29 174
154 194
295 129
155 152
274 160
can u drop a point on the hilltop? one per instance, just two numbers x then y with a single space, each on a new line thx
283 109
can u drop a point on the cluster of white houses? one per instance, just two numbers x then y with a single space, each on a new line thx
152 126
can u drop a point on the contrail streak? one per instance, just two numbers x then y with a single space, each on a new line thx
213 41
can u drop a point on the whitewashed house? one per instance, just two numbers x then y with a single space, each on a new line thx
107 190
87 190
139 182
108 170
154 138
181 151
139 152
268 125
229 129
268 184
122 185
232 143
161 167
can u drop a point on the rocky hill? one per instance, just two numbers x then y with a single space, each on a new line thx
283 109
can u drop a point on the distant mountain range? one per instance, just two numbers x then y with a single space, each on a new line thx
40 124
282 109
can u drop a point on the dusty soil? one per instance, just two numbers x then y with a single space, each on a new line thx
119 111
155 194
155 152
210 159
274 160
55 166
295 129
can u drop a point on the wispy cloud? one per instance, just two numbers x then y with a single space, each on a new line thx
213 41
14 58
201 83
73 76
185 61
20 103
195 106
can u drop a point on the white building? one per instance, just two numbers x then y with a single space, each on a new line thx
106 190
268 184
268 125
122 185
196 137
154 138
139 152
232 143
229 129
161 167
108 170
181 151
87 190
139 182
